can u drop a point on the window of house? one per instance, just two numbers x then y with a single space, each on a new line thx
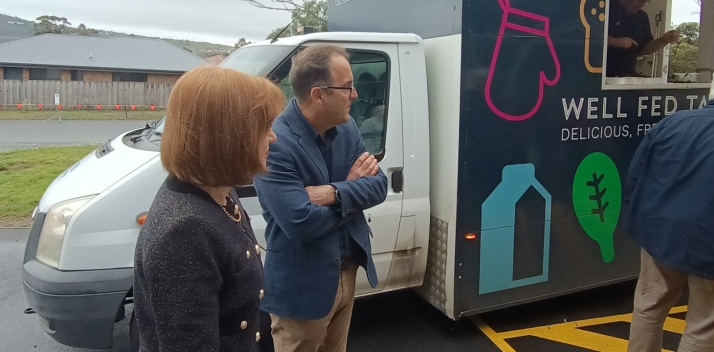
371 80
129 77
77 75
45 74
640 48
14 73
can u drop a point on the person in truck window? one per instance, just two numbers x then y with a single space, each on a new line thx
629 36
198 276
372 130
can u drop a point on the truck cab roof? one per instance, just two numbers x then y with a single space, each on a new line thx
365 37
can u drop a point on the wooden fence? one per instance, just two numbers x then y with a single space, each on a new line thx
79 94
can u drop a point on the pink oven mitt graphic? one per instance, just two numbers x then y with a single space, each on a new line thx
515 92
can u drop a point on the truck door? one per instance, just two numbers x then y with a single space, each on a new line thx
377 111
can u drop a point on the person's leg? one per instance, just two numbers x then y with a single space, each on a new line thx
658 288
699 332
299 335
337 331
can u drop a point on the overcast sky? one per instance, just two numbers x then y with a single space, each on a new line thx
682 11
215 21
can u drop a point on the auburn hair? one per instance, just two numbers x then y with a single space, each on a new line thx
216 119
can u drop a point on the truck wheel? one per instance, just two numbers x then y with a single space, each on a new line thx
134 333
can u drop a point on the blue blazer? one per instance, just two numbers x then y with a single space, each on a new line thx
669 197
302 264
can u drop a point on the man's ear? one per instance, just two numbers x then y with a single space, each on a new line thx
316 95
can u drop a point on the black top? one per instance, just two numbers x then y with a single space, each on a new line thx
621 62
197 277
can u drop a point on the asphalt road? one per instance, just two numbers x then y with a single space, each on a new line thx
34 134
391 322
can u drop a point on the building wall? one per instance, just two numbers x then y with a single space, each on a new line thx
102 76
97 76
159 78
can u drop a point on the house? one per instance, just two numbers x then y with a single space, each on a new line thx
216 59
57 57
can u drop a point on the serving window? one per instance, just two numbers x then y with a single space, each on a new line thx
653 44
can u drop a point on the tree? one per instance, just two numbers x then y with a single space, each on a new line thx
241 43
688 33
312 13
50 24
683 53
82 29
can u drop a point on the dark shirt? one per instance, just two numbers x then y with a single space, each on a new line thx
197 275
669 197
325 144
621 62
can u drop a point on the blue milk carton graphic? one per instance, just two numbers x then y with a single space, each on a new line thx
498 218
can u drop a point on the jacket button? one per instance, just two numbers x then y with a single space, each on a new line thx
336 260
243 325
257 336
257 249
262 294
247 254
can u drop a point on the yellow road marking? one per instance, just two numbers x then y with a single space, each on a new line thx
492 335
570 334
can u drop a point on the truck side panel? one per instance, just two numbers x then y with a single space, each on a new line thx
427 18
543 154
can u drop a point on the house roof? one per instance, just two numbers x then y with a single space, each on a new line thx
118 54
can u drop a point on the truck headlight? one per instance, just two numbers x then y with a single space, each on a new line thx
53 229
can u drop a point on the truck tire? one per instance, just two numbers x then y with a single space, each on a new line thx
134 333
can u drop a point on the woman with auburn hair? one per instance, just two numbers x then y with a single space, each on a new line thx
198 275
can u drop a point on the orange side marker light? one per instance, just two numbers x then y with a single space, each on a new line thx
141 219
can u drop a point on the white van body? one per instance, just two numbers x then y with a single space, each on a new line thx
78 280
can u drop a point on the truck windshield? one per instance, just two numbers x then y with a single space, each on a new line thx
254 60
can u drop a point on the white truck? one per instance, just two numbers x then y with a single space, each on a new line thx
504 144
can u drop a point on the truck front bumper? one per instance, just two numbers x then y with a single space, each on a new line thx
76 308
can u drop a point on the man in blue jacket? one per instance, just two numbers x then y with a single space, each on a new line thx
669 199
320 180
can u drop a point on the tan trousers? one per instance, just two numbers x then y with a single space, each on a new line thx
328 334
658 289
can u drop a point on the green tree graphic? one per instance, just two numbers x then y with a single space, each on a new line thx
597 196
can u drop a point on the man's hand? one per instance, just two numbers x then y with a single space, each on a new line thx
365 165
623 42
321 195
670 37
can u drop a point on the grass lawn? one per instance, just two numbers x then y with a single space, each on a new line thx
72 114
26 174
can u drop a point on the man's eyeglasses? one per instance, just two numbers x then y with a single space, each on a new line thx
350 88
